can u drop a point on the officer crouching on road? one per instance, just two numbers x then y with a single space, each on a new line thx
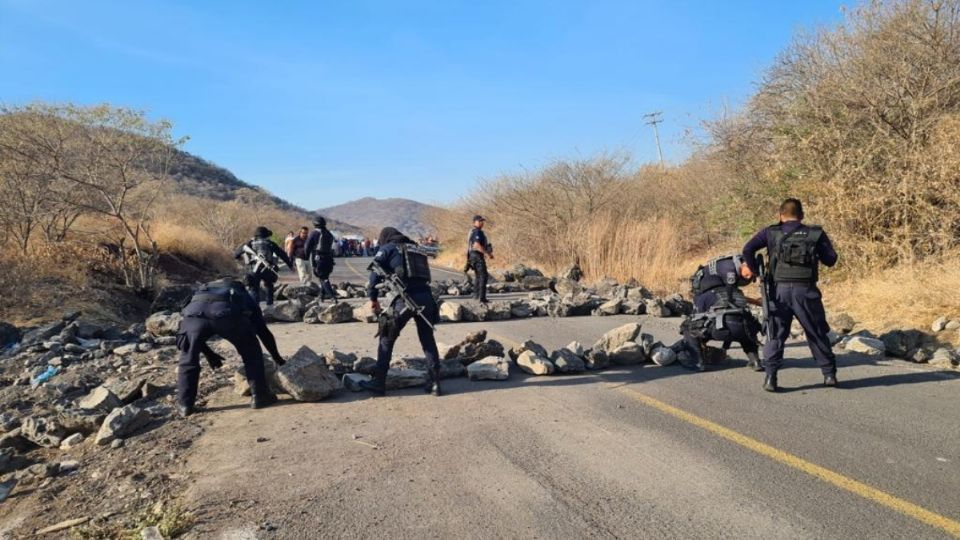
400 256
478 249
223 308
260 254
721 312
795 251
320 250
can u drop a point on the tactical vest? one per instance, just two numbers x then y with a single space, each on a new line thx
416 265
229 294
794 255
264 247
720 272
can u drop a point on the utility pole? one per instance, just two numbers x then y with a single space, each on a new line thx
653 119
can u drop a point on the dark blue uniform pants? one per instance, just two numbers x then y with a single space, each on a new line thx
735 328
803 301
479 264
191 340
424 332
254 279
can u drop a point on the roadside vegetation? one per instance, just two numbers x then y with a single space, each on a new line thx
861 121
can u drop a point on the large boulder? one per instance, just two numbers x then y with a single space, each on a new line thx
582 304
120 423
471 352
529 345
617 337
306 378
841 323
519 272
493 368
596 359
364 313
286 311
610 307
172 298
365 365
944 358
535 283
340 362
449 368
100 399
902 343
865 345
521 309
628 354
303 293
474 311
567 361
499 311
535 364
46 432
663 356
163 323
451 312
405 378
338 313
656 307
567 287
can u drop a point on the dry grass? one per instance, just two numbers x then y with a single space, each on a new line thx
907 296
192 244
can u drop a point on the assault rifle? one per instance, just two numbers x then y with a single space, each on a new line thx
395 285
763 280
262 264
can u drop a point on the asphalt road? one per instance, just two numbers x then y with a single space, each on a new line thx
633 452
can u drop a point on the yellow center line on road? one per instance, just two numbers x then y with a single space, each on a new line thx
353 268
871 493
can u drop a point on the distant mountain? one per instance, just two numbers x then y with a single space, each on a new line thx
373 214
201 178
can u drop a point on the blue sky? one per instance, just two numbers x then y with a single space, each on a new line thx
324 102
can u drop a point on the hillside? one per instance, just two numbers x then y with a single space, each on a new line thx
372 214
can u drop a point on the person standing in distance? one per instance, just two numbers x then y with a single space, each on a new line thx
260 254
399 255
320 252
478 249
223 308
795 251
297 250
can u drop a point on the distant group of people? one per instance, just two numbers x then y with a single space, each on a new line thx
721 313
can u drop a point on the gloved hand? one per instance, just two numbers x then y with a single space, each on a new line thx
279 360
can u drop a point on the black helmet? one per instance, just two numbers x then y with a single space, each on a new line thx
319 222
262 232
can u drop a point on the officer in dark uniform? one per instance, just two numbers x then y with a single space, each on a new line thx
225 309
795 251
478 249
399 255
320 251
721 312
260 254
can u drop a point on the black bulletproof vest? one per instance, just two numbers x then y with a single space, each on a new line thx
217 299
794 255
264 247
719 272
416 265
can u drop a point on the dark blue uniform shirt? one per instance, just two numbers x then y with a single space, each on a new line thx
477 236
763 239
390 258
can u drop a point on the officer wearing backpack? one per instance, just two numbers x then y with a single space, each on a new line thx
721 312
400 256
796 252
223 308
320 251
260 255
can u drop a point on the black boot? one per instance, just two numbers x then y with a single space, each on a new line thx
830 381
184 410
261 396
770 383
376 386
753 362
433 384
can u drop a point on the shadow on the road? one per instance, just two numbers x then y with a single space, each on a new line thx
883 380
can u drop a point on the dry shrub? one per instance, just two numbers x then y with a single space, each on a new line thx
192 244
907 296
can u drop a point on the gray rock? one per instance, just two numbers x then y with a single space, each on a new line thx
364 313
628 354
6 488
521 309
286 311
663 356
610 307
405 378
633 307
944 357
8 421
865 345
567 287
576 348
449 368
529 345
619 336
655 307
124 350
306 378
582 304
72 441
351 381
7 461
15 439
163 323
677 306
121 423
901 343
46 432
43 333
470 352
100 399
340 362
535 283
939 325
499 311
151 533
301 293
567 362
841 323
493 368
365 365
336 314
597 359
952 325
68 466
535 364
451 312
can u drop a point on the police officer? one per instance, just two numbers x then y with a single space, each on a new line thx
260 254
478 249
320 251
795 251
225 309
399 255
721 312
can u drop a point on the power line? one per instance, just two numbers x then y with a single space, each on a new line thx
652 119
